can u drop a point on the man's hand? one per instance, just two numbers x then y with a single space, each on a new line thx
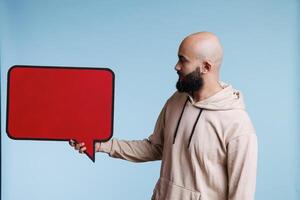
81 146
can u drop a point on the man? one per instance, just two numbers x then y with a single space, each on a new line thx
203 135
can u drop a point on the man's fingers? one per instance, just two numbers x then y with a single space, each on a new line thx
72 143
78 146
82 149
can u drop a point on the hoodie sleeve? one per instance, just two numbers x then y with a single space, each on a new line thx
241 167
148 149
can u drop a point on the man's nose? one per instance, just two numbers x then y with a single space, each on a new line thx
177 67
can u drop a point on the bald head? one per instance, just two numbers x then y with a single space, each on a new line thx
199 59
204 46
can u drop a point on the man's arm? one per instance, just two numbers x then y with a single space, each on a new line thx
132 150
148 149
242 152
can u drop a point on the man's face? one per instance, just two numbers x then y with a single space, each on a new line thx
188 69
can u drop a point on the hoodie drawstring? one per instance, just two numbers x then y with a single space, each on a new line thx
175 134
179 120
192 133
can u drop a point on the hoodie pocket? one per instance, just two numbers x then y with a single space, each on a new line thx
167 190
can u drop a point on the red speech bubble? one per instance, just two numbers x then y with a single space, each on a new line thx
60 103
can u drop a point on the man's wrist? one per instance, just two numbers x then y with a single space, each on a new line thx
105 146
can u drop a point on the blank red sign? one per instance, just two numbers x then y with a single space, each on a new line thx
60 103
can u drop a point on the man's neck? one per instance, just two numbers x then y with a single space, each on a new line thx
208 89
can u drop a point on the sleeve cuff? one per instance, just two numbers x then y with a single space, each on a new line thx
106 147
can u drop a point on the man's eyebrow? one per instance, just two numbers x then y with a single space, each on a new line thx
182 57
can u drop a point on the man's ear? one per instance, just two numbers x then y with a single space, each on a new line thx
206 67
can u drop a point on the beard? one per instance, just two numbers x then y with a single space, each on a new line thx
191 82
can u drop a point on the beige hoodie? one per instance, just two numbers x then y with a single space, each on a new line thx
208 148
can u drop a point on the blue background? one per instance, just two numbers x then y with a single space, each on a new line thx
138 40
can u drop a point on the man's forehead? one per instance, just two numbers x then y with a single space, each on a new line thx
186 50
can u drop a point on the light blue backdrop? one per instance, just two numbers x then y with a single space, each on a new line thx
138 40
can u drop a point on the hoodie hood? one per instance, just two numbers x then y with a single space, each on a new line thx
227 99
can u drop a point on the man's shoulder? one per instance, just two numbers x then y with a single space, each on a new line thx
237 122
177 97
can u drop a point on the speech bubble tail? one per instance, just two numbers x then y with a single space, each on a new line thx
92 157
90 150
